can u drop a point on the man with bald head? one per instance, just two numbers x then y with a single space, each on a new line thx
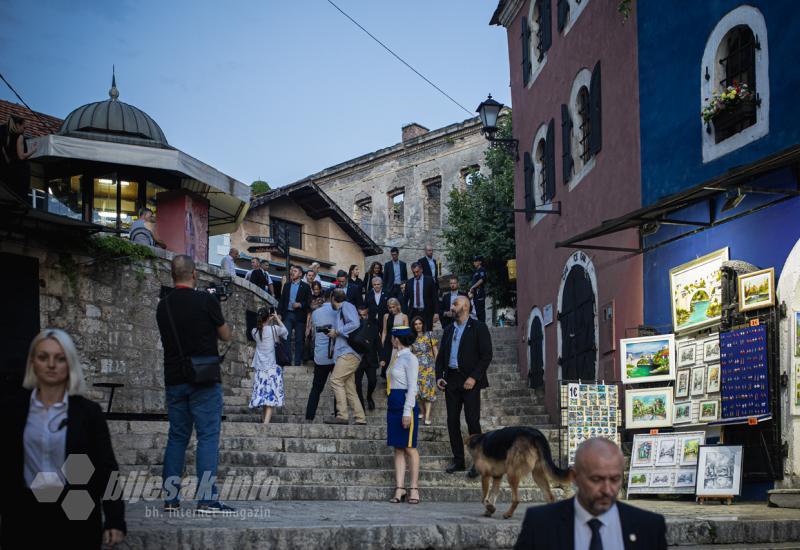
464 356
593 519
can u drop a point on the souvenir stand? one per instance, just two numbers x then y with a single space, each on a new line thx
712 380
589 408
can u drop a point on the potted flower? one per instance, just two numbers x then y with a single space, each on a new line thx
729 106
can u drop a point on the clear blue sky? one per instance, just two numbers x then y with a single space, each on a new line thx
270 90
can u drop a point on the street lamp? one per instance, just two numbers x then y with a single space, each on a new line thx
489 111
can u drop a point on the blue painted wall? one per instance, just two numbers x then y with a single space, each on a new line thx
672 38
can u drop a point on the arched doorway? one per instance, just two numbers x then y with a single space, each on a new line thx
536 349
577 317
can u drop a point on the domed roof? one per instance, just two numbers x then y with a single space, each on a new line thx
113 120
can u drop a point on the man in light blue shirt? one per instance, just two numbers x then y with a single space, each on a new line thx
458 330
228 263
343 379
323 316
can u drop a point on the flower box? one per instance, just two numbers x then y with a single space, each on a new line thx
735 114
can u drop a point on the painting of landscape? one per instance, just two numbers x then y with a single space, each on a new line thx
650 408
696 291
757 289
648 359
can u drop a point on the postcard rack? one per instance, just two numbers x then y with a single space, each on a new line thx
599 414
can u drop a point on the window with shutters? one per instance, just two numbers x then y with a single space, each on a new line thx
568 12
578 120
540 176
736 54
433 203
293 230
397 213
537 37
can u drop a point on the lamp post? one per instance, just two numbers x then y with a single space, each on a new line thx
489 112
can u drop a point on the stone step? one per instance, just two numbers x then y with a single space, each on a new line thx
488 421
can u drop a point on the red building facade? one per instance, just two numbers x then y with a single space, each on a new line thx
574 89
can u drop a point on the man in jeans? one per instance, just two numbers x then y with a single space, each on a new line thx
347 360
323 316
196 324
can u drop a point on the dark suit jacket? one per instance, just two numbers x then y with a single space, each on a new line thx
444 305
426 268
428 294
355 293
552 526
474 352
376 311
303 296
87 433
388 276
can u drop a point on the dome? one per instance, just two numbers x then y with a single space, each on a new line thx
115 121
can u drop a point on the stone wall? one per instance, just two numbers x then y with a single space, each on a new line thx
108 307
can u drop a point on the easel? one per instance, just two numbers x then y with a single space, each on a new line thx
723 499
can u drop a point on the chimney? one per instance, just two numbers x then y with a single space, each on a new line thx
413 130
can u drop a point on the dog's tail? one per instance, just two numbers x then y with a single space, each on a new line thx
543 446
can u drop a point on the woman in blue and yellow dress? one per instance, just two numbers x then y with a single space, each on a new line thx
401 414
425 348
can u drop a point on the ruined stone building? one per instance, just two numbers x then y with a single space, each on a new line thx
398 195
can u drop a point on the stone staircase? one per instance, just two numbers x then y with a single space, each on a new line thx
315 461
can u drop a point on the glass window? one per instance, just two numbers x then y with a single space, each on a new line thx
64 197
151 195
295 231
129 191
104 204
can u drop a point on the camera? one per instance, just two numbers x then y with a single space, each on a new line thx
221 292
325 329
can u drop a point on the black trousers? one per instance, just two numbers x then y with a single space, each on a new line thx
427 318
321 373
456 399
480 309
372 380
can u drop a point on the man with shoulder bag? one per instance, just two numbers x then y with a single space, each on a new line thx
190 323
347 335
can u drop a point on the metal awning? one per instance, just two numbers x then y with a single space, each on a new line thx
668 210
228 198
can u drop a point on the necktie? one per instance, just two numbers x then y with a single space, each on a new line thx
416 296
596 542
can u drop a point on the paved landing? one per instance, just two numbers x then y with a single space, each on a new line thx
380 525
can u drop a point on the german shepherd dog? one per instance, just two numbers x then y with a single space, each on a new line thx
514 452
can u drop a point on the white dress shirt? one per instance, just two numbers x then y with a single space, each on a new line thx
45 438
404 375
610 530
228 265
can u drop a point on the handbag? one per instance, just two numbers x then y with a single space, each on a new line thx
200 370
281 357
359 339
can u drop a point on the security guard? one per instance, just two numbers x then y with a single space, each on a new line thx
477 289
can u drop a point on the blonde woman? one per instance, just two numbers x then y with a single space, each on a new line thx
394 318
41 428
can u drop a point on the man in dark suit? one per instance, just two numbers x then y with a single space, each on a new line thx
464 355
376 301
394 273
352 291
447 300
293 308
421 296
430 266
593 519
259 276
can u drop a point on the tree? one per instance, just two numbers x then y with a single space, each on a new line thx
478 225
258 187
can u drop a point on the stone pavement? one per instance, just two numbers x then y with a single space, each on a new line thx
380 525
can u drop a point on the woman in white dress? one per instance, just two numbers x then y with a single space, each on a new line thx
268 380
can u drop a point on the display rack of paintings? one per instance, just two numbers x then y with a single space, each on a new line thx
719 471
592 410
697 383
745 372
648 359
665 463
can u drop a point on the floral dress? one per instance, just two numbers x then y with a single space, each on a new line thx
423 349
268 381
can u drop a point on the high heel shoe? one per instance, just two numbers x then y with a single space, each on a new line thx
413 500
396 500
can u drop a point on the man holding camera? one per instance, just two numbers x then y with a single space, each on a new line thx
347 360
323 319
190 322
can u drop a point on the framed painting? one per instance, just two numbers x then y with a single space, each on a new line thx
711 350
686 354
712 382
690 449
648 359
639 479
648 408
698 381
696 292
683 413
685 478
667 451
643 452
719 470
682 384
661 479
709 411
757 289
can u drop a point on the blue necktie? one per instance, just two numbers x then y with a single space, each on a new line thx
596 542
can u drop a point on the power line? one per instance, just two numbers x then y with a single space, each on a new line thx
10 87
403 61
